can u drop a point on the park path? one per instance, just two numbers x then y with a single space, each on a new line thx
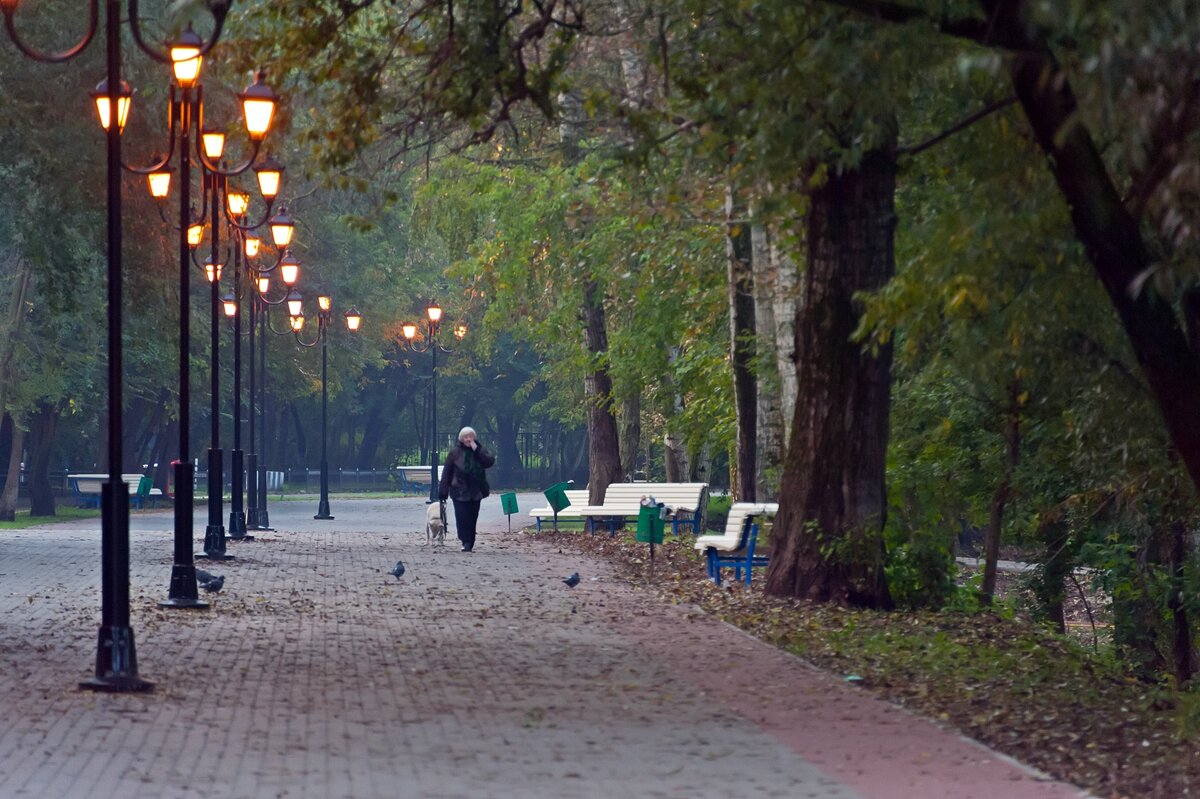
317 674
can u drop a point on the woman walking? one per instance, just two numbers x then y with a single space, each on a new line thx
463 480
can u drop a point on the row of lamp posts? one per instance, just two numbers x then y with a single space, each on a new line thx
116 658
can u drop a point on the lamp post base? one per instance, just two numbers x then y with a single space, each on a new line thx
183 593
116 664
237 527
214 543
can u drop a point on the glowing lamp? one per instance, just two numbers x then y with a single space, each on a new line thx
258 107
124 100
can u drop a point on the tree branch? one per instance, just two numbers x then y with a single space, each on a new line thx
962 124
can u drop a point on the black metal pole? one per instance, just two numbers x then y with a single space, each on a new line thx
214 533
252 456
323 506
182 592
237 476
264 520
116 655
433 449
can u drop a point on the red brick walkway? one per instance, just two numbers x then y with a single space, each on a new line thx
316 674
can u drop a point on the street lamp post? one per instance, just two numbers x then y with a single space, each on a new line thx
116 656
433 319
186 118
353 322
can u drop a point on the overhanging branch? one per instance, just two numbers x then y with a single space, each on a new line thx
961 125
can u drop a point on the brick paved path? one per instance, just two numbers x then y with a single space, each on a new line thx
316 674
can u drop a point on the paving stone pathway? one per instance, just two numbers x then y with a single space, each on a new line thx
317 674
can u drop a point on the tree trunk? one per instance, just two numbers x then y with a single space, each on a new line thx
787 305
374 430
8 497
1110 236
827 543
739 280
301 440
1012 449
508 454
630 432
43 427
769 433
604 450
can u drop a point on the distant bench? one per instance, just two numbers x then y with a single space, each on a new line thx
577 498
414 478
623 501
735 547
85 488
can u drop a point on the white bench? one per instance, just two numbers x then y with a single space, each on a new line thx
577 498
623 501
86 489
414 478
735 546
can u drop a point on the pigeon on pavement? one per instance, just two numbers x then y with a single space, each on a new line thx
573 580
209 582
398 569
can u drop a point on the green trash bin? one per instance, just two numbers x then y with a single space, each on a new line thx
556 495
650 525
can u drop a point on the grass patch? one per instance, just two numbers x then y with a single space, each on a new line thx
62 514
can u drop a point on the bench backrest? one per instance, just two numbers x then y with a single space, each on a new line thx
577 498
627 497
740 512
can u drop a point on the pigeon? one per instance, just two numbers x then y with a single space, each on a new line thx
398 569
573 580
209 582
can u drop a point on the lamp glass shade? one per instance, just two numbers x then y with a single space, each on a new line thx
289 271
324 302
410 331
185 57
460 332
282 229
231 306
258 107
124 100
435 313
353 320
253 244
238 202
195 234
185 63
213 142
212 272
264 285
270 174
295 303
297 323
160 183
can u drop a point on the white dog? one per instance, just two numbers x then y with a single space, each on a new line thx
435 525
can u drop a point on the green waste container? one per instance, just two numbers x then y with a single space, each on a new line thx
508 503
650 525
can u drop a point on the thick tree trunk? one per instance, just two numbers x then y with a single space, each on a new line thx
8 497
301 439
769 433
1012 455
740 283
43 426
827 543
508 453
